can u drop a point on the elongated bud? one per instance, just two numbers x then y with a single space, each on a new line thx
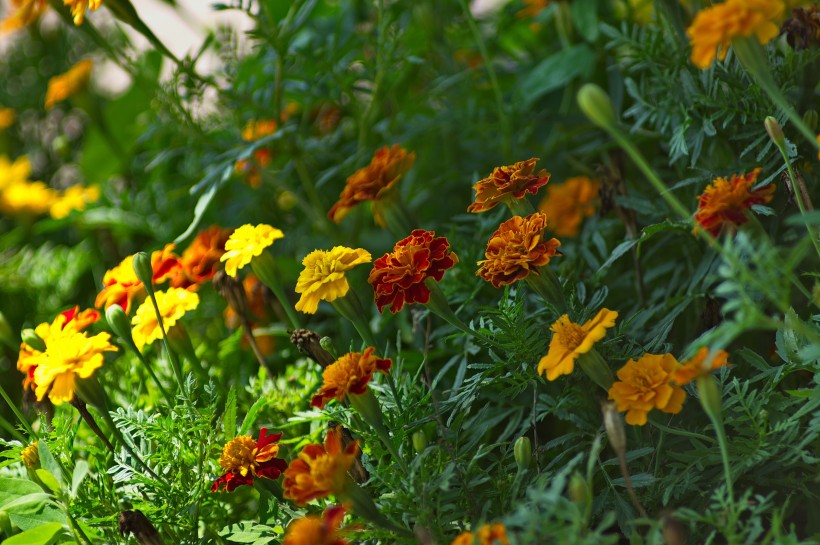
709 396
774 130
33 340
522 450
595 104
119 323
578 490
142 267
614 426
419 440
811 119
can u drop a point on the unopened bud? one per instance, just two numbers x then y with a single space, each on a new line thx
578 490
811 119
522 450
33 340
774 130
419 440
142 267
31 456
595 104
709 396
119 323
286 200
614 426
327 344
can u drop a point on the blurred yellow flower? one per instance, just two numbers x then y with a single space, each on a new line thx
14 173
173 304
246 243
26 12
323 278
570 340
68 84
7 117
647 384
73 198
566 205
79 7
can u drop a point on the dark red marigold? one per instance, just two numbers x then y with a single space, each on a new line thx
244 459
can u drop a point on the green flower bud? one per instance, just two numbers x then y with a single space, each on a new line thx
419 440
327 344
595 104
522 450
33 340
578 490
811 119
614 426
709 396
774 130
119 323
142 267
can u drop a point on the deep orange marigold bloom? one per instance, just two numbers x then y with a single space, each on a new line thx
245 459
487 534
714 28
372 182
200 260
508 183
349 374
70 83
516 249
121 285
570 340
320 470
567 204
398 277
693 368
647 384
726 201
313 530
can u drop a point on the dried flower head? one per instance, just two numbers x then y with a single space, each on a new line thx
694 367
516 249
726 201
567 204
312 530
247 242
349 374
245 459
323 277
570 340
70 83
398 277
320 470
647 384
507 184
173 304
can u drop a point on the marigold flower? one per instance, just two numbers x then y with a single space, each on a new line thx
487 534
349 374
725 201
27 198
245 459
313 530
516 249
693 368
398 277
714 28
70 83
567 204
246 243
173 304
647 384
254 130
323 278
7 117
15 172
31 455
570 340
73 198
319 470
374 181
200 260
25 13
506 184
121 285
68 354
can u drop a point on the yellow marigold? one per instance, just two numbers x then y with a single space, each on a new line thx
319 470
69 354
79 7
570 340
508 183
647 384
25 13
349 374
246 243
323 278
7 117
27 198
487 534
566 205
374 181
516 249
31 455
15 172
173 304
313 530
73 198
726 201
694 367
714 28
70 83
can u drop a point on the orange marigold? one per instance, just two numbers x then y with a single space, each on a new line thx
567 204
349 374
254 130
121 285
200 260
571 340
516 249
488 534
647 384
694 367
398 277
726 201
244 459
320 470
372 182
313 530
68 84
508 183
714 28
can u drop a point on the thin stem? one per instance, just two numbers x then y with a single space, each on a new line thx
171 355
147 365
17 413
798 197
724 454
279 293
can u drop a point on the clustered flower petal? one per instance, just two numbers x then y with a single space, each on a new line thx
323 278
320 470
567 204
570 340
121 285
312 530
70 83
713 28
516 249
726 201
647 384
173 304
247 242
693 368
487 534
245 459
349 374
398 277
200 260
508 183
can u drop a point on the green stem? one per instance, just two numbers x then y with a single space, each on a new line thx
264 267
147 365
12 430
351 310
17 413
172 357
798 197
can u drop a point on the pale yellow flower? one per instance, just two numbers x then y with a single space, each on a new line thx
247 242
323 278
173 304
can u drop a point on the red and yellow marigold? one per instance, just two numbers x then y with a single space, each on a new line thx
725 202
200 260
121 285
349 374
319 470
508 183
313 530
245 459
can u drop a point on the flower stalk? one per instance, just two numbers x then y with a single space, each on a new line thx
264 267
710 401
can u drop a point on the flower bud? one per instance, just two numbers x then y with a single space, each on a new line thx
522 450
774 130
327 344
595 104
119 323
709 396
578 490
811 119
614 426
31 456
33 340
142 267
419 440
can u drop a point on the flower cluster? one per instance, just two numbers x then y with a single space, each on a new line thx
487 534
508 183
201 259
726 202
121 284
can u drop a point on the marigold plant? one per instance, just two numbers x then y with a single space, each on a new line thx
173 304
201 258
245 243
319 470
121 285
693 368
567 204
571 340
349 374
312 530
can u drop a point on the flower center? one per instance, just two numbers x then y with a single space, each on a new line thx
239 456
572 335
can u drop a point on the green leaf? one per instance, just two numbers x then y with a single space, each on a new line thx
80 472
11 489
229 419
585 18
556 71
250 417
41 535
49 480
27 521
47 460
